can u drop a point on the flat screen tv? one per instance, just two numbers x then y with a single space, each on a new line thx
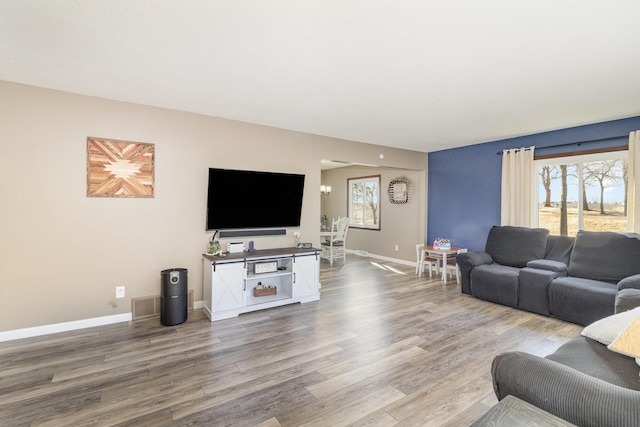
241 199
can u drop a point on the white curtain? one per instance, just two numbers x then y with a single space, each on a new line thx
517 179
633 183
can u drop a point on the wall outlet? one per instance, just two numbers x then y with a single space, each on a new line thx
396 248
119 291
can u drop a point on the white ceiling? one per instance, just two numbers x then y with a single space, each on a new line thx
417 74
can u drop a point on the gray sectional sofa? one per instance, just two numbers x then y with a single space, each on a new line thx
579 279
583 382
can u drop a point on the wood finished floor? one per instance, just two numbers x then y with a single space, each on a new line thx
382 347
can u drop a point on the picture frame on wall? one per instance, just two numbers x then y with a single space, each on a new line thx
120 168
399 191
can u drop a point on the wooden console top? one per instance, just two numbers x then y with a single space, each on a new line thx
261 253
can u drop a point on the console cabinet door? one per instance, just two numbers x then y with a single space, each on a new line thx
227 283
306 275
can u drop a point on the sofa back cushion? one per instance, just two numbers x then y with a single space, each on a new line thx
516 246
605 256
559 248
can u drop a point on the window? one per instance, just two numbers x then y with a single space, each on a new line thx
586 192
364 202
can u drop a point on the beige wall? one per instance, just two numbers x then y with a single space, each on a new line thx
62 254
400 224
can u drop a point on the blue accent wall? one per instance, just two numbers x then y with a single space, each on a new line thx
464 183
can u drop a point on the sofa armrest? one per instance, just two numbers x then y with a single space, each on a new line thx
627 299
631 282
628 296
565 392
468 261
547 264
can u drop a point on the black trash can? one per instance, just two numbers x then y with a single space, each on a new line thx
173 299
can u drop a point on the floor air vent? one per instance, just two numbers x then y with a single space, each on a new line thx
148 307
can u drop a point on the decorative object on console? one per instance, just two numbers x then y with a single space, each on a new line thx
265 267
119 168
262 291
399 191
235 247
214 245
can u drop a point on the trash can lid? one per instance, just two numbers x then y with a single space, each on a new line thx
169 270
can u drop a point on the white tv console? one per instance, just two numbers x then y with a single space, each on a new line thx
229 282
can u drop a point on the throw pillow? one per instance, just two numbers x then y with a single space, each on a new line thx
628 343
606 330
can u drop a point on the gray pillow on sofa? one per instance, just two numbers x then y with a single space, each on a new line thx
515 246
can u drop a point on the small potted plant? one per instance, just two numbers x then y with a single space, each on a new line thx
323 222
214 247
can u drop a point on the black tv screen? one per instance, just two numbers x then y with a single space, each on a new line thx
240 199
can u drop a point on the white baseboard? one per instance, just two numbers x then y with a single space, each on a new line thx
63 327
380 257
37 331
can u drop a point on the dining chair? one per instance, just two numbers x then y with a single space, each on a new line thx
335 246
424 260
452 268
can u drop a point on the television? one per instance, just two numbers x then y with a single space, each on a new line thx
242 199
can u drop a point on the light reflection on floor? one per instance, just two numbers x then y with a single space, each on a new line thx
388 268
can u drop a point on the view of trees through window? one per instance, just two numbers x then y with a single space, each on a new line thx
585 193
364 196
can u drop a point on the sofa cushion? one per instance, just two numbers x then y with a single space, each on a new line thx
596 360
515 246
581 301
466 263
605 256
533 285
545 264
496 283
559 248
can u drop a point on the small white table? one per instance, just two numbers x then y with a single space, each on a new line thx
443 253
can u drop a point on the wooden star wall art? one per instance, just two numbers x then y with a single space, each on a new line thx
119 168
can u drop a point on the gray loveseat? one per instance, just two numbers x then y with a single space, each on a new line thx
579 279
582 382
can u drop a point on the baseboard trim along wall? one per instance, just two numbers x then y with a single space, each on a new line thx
63 327
37 331
380 257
